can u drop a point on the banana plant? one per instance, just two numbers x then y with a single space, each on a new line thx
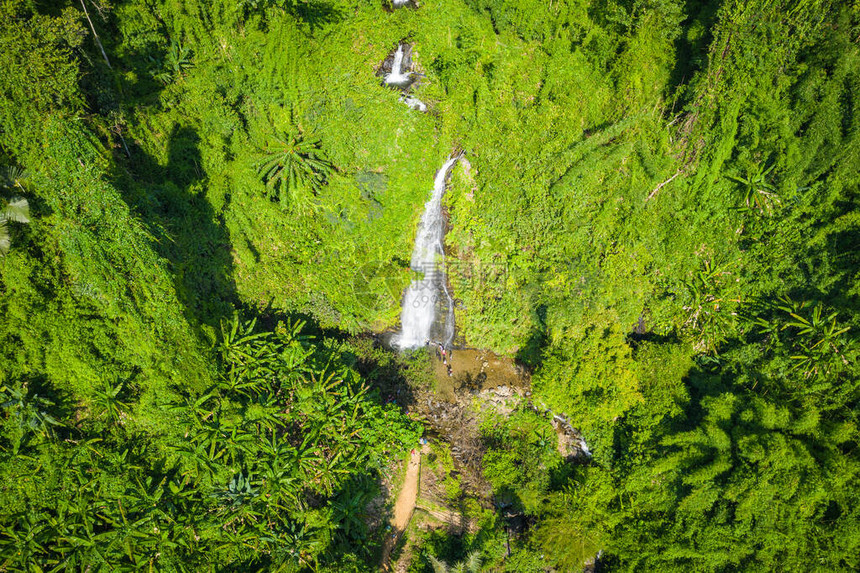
211 436
175 63
237 338
238 492
305 460
349 508
758 194
195 410
543 441
710 311
30 413
107 402
24 540
819 336
296 544
238 442
264 413
196 453
279 481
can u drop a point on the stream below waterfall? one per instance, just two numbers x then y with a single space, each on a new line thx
427 310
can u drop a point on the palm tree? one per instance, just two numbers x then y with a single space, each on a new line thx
16 209
292 166
471 564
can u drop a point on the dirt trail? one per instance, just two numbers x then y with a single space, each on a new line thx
445 411
404 506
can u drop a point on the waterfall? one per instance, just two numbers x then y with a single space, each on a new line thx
428 292
414 103
397 77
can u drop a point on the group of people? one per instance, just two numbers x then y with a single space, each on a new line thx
442 352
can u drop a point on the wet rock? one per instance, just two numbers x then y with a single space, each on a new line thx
395 4
503 391
407 69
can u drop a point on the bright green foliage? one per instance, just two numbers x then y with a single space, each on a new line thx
657 215
573 379
520 459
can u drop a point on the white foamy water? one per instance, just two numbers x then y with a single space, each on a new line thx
397 78
429 290
414 103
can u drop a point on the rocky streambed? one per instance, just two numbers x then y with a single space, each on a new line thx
481 382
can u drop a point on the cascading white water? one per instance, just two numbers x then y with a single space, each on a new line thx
397 77
414 103
429 290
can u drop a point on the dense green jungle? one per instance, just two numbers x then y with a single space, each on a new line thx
207 211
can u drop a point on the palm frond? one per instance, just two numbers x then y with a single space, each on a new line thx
14 176
17 209
294 167
473 562
438 566
5 241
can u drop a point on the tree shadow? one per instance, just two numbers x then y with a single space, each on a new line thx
691 50
134 66
315 13
187 231
530 354
390 375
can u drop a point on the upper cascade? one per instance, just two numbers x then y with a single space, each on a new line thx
397 77
396 72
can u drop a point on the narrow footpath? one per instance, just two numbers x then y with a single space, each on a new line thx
404 506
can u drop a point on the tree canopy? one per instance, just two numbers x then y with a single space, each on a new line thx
205 205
